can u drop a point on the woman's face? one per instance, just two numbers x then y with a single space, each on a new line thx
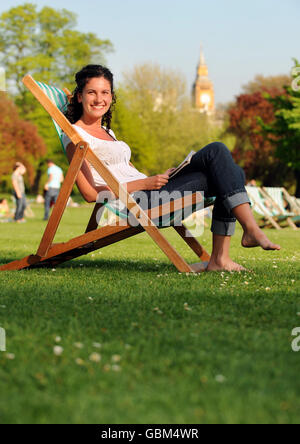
96 98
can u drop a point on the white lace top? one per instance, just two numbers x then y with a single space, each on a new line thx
116 155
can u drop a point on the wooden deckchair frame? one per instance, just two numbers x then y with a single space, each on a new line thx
49 254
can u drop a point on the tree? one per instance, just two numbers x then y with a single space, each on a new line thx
19 141
253 151
45 44
267 83
154 115
284 129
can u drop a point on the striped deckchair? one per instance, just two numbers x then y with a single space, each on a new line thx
293 202
61 99
262 207
49 254
297 204
277 195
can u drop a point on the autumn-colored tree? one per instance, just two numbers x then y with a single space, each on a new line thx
19 141
252 150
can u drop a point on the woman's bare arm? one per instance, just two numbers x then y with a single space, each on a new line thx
85 181
90 191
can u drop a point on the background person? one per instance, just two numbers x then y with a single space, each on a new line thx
52 187
19 191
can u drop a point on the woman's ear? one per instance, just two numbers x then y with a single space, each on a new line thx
79 97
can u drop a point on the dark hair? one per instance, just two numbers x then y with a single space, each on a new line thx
49 161
75 110
17 165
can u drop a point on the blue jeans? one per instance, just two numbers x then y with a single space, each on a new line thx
20 207
212 171
50 197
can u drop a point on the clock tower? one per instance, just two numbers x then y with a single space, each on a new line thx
203 89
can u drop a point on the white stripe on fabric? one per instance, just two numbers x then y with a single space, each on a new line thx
59 98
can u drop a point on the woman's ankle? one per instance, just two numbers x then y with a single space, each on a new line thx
219 258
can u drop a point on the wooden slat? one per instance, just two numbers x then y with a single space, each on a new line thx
84 243
90 241
21 264
142 217
103 232
68 94
62 199
93 224
175 206
88 248
192 242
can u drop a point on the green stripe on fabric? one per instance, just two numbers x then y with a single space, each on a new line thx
59 98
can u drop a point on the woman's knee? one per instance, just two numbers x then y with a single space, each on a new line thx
218 148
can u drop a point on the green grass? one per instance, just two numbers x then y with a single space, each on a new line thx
225 359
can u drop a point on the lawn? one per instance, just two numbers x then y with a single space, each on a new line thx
141 342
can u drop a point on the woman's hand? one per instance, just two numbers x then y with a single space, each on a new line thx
156 182
169 171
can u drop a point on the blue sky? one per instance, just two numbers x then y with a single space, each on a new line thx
240 38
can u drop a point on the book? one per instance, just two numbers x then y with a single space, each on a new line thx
183 164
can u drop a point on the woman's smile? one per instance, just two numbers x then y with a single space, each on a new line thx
96 98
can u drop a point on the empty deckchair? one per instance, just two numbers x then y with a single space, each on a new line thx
296 203
277 195
293 202
262 206
49 254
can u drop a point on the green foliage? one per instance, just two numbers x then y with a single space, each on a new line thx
133 130
45 44
265 122
284 130
154 116
286 125
225 357
270 83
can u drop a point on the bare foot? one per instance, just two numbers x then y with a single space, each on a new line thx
257 238
224 265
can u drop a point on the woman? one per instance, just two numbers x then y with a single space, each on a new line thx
211 170
19 191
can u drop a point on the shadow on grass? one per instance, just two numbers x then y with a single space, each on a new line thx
117 265
109 265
